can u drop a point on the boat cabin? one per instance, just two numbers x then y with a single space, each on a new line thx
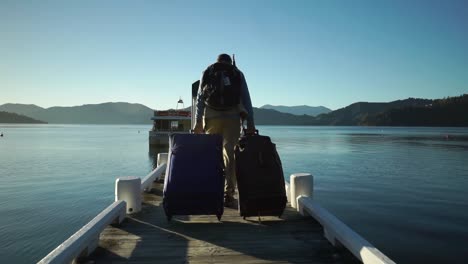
172 121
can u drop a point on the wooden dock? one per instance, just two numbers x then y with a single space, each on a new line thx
147 237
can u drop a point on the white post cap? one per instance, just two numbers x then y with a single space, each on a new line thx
300 184
128 189
162 158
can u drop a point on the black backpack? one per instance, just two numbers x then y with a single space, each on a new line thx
222 86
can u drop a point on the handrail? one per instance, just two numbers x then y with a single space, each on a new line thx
339 234
85 240
152 176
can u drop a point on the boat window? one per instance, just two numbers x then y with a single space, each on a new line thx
174 125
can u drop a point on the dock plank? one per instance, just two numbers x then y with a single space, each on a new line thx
147 237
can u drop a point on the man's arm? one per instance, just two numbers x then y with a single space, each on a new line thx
247 102
200 107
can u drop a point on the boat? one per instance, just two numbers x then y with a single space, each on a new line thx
134 228
176 120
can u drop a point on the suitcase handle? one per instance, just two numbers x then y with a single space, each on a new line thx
249 134
244 129
192 131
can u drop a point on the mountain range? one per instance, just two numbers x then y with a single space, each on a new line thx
361 113
451 111
125 113
299 109
106 113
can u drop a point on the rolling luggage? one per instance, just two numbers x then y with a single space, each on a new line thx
260 178
194 183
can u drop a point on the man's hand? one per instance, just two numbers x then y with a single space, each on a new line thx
250 130
198 129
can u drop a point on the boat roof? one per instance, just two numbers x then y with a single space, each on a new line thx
172 115
172 112
171 118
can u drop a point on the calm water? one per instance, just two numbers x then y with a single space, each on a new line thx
403 189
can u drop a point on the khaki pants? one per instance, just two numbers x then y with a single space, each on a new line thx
230 130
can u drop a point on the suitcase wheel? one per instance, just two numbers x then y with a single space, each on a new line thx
244 217
219 217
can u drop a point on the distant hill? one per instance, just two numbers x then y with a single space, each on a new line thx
451 111
273 117
106 113
299 109
22 109
6 117
360 113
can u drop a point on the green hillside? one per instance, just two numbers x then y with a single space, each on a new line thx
6 117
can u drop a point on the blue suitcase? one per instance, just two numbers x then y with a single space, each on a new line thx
194 183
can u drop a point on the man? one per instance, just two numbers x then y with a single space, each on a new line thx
223 98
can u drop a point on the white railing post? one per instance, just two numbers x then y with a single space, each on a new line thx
128 189
162 158
300 184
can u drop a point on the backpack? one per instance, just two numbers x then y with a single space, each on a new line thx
222 86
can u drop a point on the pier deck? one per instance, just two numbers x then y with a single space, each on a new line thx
147 237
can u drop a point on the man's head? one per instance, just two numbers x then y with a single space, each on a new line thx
224 58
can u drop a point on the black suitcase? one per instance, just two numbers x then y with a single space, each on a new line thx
260 178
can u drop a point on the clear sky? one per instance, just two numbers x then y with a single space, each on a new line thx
330 53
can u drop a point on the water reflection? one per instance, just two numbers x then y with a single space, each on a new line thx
454 141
